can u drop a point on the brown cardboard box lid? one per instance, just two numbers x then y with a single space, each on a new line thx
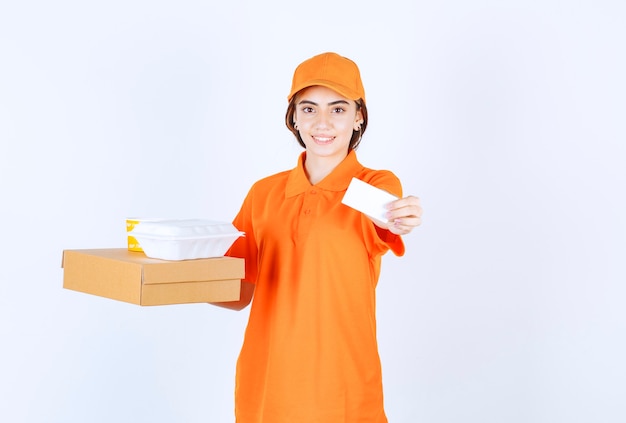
155 271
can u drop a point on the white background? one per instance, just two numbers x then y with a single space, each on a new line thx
507 118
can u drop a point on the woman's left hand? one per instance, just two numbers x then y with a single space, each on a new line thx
403 215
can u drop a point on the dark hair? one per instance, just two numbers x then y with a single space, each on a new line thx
356 135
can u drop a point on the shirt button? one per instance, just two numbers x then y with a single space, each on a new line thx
307 211
313 191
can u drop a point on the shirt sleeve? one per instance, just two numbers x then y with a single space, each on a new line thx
389 182
246 247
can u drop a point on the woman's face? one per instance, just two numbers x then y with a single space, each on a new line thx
325 120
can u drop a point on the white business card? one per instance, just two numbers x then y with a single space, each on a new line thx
368 199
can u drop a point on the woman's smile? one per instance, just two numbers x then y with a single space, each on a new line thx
322 139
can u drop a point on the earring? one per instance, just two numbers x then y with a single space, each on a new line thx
295 126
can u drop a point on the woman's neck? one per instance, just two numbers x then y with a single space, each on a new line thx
317 168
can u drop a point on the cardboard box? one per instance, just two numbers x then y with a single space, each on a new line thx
134 278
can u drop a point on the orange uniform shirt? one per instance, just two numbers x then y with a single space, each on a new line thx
310 353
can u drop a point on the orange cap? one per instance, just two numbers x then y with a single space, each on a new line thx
329 70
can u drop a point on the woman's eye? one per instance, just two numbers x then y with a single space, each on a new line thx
338 110
307 109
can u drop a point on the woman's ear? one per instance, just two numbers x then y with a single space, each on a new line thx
358 120
359 116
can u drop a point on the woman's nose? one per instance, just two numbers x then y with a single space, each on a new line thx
322 121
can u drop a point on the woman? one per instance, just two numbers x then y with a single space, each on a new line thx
312 263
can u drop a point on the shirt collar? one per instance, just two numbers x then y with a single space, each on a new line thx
337 180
